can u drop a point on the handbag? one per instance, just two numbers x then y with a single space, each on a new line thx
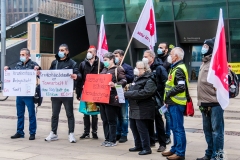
189 111
93 109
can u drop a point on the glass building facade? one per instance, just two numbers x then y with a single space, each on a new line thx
184 23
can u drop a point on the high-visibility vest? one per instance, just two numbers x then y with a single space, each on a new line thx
180 98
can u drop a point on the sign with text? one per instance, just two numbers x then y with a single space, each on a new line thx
96 88
19 83
56 83
235 67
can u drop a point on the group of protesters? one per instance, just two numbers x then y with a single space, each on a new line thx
158 80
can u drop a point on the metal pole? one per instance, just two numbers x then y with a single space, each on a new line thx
3 37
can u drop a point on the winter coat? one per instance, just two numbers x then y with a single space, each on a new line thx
166 64
206 93
120 80
140 97
179 88
86 68
128 72
29 65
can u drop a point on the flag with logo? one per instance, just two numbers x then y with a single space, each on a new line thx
102 41
145 30
218 70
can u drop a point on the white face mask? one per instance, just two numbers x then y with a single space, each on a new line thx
145 60
169 59
136 72
89 55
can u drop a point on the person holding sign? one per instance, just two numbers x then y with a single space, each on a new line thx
88 66
109 111
141 107
22 101
63 62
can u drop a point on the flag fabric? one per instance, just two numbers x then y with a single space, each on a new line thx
145 30
218 70
102 41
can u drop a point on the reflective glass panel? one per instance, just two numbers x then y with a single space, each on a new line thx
234 8
234 26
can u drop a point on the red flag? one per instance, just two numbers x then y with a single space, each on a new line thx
145 30
218 71
102 41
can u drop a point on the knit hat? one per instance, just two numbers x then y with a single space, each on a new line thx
210 42
92 46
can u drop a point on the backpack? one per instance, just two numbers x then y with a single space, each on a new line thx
233 85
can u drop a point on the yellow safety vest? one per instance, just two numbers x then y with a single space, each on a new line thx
180 98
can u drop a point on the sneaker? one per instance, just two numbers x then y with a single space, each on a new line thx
71 138
104 143
204 158
94 135
51 137
32 137
161 149
123 139
85 135
17 135
110 144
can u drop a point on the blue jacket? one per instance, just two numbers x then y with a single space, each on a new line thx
128 72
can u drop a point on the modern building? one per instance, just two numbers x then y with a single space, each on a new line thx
184 23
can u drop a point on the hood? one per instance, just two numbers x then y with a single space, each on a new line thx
156 63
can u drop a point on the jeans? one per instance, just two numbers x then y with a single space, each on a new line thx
21 103
122 123
176 125
56 108
87 123
139 129
213 127
109 118
167 129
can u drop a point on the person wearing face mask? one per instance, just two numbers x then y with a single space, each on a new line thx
88 66
63 61
122 125
175 99
160 73
141 107
212 112
22 101
109 111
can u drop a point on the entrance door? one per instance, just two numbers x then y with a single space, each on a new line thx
196 62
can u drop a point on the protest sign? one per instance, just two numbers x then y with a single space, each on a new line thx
235 67
96 88
120 93
19 83
56 83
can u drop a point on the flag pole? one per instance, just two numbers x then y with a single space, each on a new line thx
98 65
126 50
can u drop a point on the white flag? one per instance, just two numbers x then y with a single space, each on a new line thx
145 30
102 41
218 70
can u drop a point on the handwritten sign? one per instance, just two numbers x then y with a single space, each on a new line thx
120 93
235 67
56 83
96 88
19 83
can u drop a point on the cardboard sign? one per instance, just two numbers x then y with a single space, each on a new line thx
19 83
56 83
235 67
96 88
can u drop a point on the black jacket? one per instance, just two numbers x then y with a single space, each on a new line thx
140 97
160 73
128 72
84 69
179 88
29 65
166 64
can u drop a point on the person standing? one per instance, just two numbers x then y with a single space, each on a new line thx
212 112
175 100
22 101
88 66
122 125
63 61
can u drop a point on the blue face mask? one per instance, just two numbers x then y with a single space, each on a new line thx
61 54
23 59
204 50
116 60
159 51
106 64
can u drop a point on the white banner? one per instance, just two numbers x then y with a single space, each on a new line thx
19 83
56 83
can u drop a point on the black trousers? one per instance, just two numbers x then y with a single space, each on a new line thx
139 129
160 130
56 108
109 118
87 123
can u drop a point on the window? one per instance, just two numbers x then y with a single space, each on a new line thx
31 5
9 6
25 5
111 9
20 6
233 6
14 5
198 9
234 27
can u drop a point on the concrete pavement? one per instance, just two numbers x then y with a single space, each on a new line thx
92 149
